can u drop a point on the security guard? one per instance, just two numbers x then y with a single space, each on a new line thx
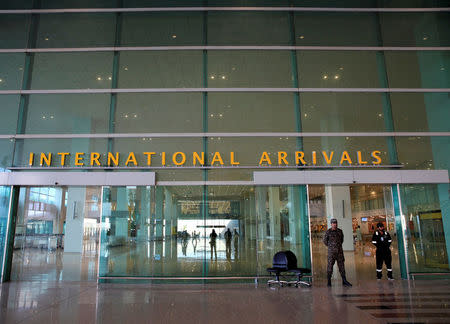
333 239
382 240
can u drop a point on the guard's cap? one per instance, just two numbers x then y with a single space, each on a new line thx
333 220
380 224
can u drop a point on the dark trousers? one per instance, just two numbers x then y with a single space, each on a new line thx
386 257
332 257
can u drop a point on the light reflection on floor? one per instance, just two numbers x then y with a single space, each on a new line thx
189 257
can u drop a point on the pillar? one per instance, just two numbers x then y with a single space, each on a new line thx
339 206
73 238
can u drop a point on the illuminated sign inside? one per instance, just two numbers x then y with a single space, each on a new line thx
130 159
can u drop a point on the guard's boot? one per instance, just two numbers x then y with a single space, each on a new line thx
389 274
329 281
379 274
345 282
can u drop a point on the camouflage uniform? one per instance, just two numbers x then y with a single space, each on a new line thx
334 240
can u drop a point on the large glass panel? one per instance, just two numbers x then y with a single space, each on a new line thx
418 152
165 28
57 231
342 112
72 70
358 209
336 29
159 112
331 69
282 224
9 108
415 152
415 29
6 153
11 71
67 113
421 111
232 217
249 69
248 28
425 211
251 112
14 31
421 69
83 146
75 30
152 232
172 69
5 193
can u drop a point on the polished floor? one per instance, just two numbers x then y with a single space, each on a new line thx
180 258
86 302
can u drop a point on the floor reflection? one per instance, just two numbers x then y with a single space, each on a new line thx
189 257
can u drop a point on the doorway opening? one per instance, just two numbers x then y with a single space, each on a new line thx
358 209
57 234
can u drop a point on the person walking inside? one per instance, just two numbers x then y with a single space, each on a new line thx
382 240
212 243
228 237
358 235
333 239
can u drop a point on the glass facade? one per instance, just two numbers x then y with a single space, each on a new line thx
199 96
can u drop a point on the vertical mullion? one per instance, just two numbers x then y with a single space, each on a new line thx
386 99
114 78
294 71
26 81
303 194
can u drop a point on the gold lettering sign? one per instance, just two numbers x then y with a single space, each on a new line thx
130 159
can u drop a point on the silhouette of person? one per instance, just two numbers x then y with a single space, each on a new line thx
212 243
228 237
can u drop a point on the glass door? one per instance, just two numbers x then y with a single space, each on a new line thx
56 234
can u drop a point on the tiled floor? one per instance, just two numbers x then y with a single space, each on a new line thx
368 302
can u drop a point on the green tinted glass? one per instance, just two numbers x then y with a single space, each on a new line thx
248 28
11 71
158 29
173 69
251 112
158 112
75 30
249 69
9 108
67 113
14 31
72 70
421 69
341 112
